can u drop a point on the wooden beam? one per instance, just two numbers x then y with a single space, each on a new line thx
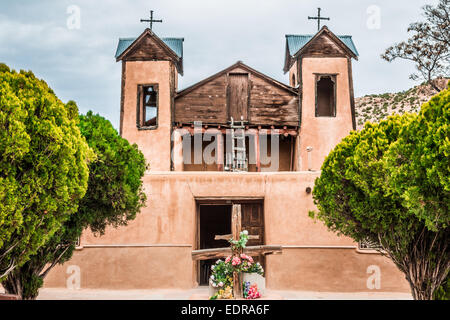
291 166
218 253
219 150
250 131
257 152
236 222
229 236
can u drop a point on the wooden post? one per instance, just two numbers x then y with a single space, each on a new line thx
257 151
236 230
218 253
219 151
291 167
177 150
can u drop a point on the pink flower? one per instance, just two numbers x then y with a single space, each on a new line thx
253 292
228 259
236 261
246 257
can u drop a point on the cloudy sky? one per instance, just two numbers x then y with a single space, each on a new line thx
77 60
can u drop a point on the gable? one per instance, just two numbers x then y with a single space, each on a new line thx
149 47
324 43
176 44
269 101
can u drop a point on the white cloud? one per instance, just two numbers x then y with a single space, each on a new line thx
80 64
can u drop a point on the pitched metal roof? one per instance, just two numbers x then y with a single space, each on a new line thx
176 44
296 42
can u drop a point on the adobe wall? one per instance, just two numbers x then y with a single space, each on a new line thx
154 144
332 270
154 250
323 133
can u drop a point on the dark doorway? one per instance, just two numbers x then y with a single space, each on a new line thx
326 96
214 220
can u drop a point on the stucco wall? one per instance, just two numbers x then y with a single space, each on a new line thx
323 133
332 270
155 144
154 250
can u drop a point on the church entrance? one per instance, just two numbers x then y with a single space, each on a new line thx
214 218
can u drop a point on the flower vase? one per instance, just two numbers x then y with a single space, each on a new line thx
257 279
213 290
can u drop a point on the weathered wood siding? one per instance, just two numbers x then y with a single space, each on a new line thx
268 103
272 105
207 103
324 46
238 95
148 49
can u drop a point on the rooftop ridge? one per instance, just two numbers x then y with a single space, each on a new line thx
174 43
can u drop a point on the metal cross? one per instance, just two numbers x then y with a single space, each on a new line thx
318 18
151 20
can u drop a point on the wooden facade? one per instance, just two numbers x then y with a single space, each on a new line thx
238 91
268 107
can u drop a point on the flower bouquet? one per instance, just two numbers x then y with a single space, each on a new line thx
221 280
250 291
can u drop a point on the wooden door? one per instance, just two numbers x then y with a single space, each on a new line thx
238 96
253 222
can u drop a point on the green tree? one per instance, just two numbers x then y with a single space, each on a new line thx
389 184
443 292
113 198
43 166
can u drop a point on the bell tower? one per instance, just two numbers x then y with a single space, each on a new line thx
320 66
150 67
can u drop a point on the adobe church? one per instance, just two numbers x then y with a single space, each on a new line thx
237 138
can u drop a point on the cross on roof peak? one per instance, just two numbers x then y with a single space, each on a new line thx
318 18
151 20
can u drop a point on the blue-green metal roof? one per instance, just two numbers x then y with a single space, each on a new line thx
296 42
176 44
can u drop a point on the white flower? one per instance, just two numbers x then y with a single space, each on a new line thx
245 232
218 261
212 277
220 284
212 267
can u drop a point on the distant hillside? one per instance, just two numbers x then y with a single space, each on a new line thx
376 107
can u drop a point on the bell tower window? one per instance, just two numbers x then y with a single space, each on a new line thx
325 95
147 111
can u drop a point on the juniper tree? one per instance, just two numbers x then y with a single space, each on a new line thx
43 165
114 197
389 184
